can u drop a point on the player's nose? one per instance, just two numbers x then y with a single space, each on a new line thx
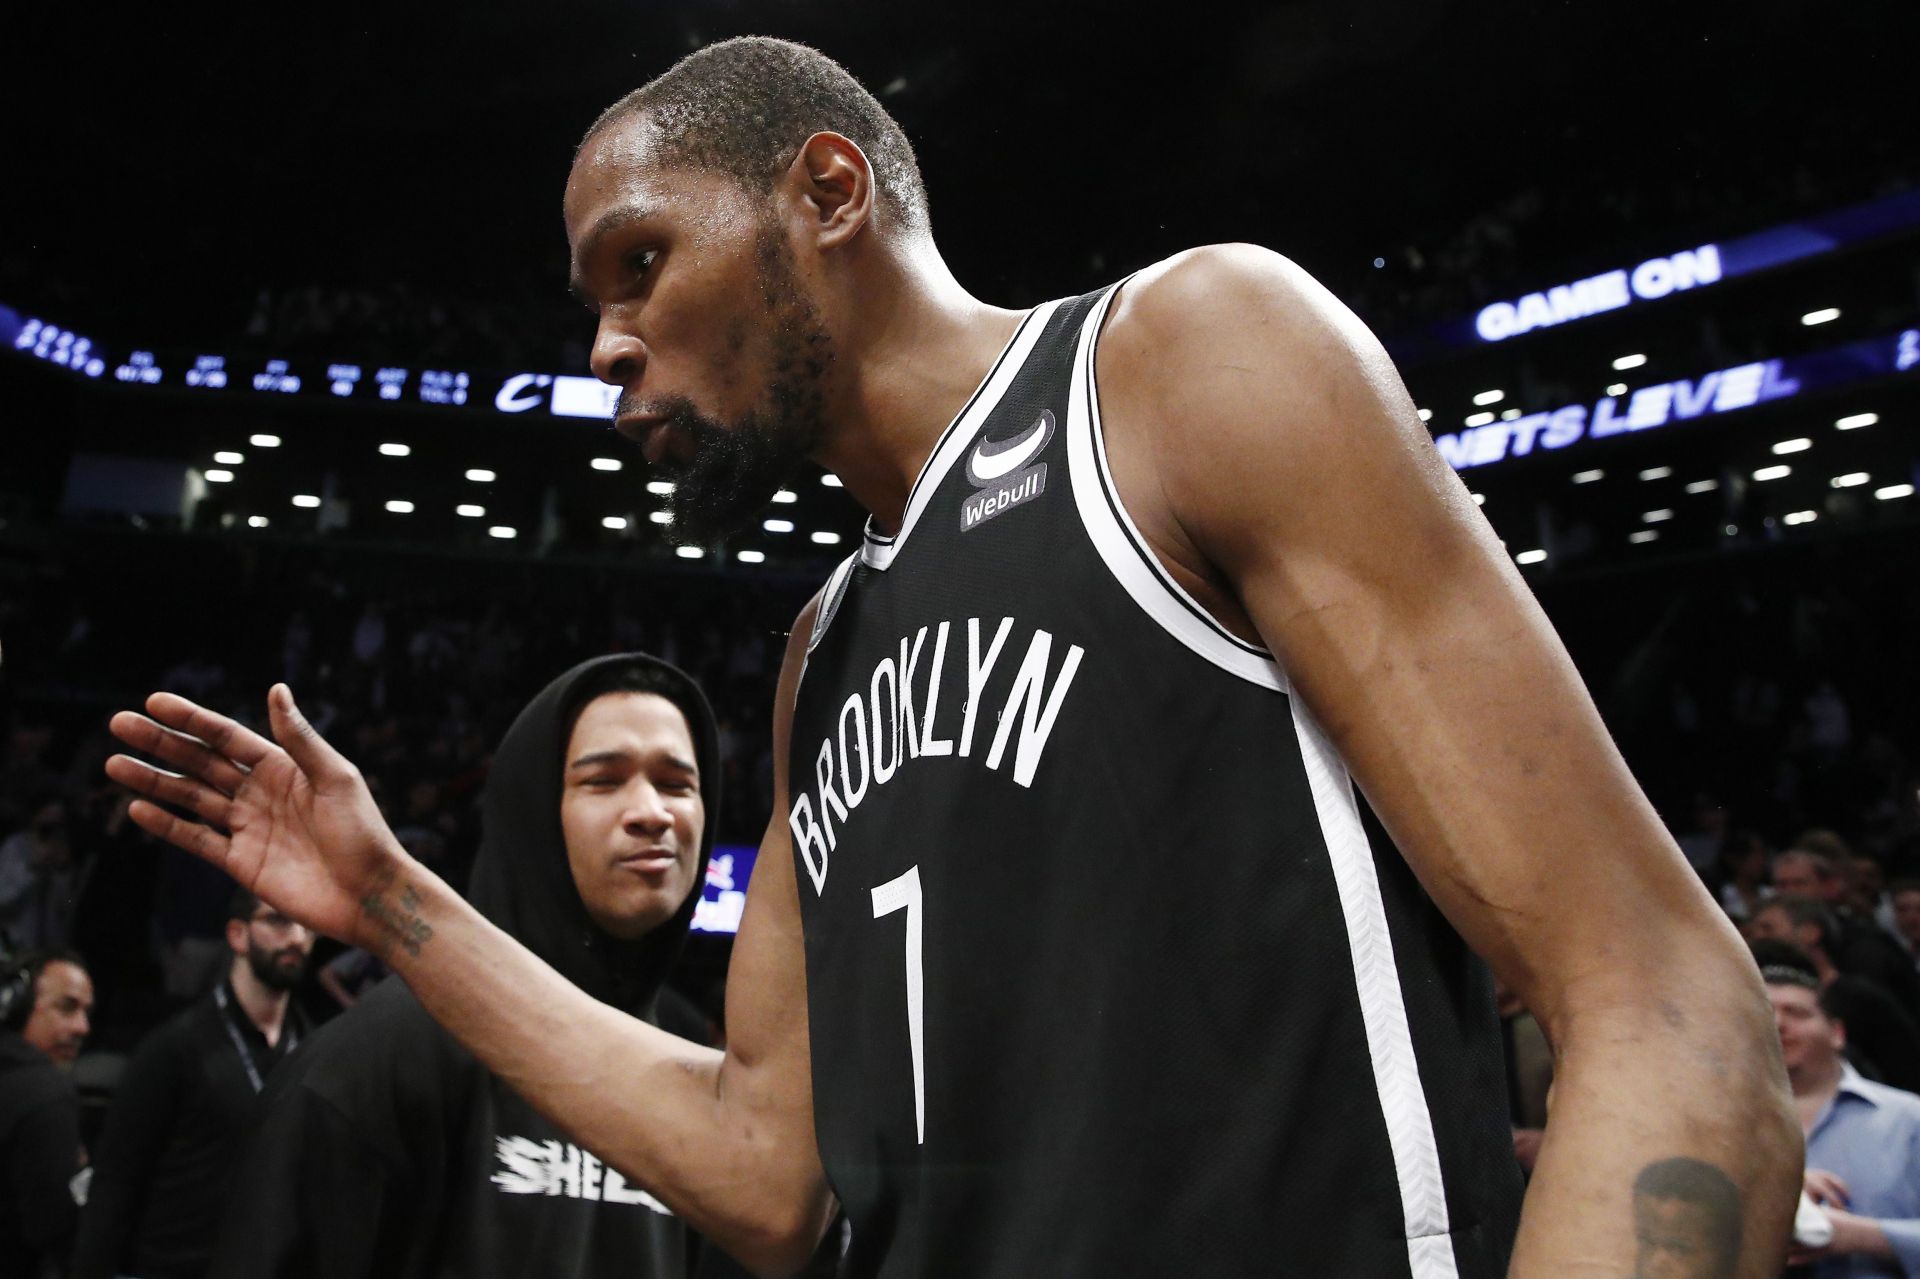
619 356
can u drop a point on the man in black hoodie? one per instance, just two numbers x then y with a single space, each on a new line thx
386 1148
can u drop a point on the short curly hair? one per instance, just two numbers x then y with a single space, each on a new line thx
744 107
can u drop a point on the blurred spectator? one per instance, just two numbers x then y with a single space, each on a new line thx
1864 1136
37 882
1702 843
1884 1038
1867 896
351 974
1742 873
1529 1060
1905 894
165 1160
1857 945
45 998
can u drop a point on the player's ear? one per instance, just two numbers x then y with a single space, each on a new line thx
834 183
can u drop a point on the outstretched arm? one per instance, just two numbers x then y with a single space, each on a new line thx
726 1140
1318 507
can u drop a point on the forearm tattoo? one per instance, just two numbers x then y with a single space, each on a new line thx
1687 1219
399 918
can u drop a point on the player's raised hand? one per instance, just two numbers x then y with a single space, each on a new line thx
294 822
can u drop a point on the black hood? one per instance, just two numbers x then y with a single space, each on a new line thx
521 878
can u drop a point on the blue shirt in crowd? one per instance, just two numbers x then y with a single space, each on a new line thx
1869 1137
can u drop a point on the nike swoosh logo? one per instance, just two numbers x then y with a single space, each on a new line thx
992 459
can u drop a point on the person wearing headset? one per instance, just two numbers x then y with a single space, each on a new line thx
45 1000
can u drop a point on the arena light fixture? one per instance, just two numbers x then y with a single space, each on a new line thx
660 488
1785 447
400 506
777 526
1660 516
503 532
661 517
1642 536
606 463
689 552
227 457
1892 491
306 501
1626 362
1801 517
1426 415
218 476
752 557
1656 473
1703 486
1854 421
1489 397
1588 477
824 538
1766 473
264 441
480 475
1509 415
785 496
1851 480
832 481
256 521
1824 315
1479 499
1617 389
1479 419
614 522
396 450
469 510
1530 557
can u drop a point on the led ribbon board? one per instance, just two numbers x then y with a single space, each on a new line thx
1678 272
1664 404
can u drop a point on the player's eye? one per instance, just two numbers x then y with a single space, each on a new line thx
641 261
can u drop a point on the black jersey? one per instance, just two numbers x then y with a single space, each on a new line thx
1107 976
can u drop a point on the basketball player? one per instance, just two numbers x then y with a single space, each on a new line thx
1071 952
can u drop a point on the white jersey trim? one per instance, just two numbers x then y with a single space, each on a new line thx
877 550
1126 554
1383 1007
830 596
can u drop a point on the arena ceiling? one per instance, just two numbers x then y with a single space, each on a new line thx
161 164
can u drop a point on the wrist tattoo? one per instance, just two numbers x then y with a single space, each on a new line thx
399 919
1687 1219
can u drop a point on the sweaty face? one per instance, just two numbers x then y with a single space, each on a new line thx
705 324
63 1003
631 811
1807 1037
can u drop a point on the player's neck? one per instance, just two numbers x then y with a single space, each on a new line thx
924 346
264 1006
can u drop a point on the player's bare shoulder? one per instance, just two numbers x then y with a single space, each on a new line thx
1232 383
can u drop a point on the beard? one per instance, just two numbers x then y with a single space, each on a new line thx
735 468
267 965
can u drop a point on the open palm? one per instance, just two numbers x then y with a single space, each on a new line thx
292 822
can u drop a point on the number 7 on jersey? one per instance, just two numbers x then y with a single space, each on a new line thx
903 892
